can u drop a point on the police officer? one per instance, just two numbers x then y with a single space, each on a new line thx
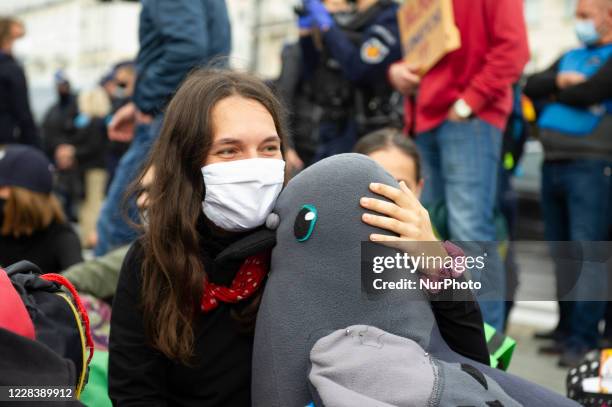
347 57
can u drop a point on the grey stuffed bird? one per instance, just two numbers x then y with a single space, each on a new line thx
321 339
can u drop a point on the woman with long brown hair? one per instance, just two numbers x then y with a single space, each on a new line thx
164 348
180 328
32 224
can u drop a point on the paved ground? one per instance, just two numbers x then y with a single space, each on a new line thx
527 317
528 364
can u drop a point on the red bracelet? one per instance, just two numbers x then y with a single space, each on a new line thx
454 252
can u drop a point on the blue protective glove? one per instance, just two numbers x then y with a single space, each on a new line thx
321 17
305 22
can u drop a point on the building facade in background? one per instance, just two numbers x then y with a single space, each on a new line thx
82 37
86 37
551 30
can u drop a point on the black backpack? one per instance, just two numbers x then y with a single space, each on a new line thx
60 321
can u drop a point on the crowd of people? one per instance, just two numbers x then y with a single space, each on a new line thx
173 163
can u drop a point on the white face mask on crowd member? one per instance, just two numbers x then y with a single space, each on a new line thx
594 22
586 32
241 194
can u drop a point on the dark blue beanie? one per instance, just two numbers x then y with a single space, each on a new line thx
26 167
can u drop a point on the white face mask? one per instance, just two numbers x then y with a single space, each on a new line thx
241 194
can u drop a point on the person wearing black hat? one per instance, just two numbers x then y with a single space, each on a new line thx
32 224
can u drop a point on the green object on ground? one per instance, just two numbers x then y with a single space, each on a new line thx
95 393
501 347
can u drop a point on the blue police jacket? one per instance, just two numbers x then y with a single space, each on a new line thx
368 60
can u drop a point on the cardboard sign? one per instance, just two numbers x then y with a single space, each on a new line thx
427 31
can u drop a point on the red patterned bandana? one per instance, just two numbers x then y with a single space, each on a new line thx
246 282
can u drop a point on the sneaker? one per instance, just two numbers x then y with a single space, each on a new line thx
554 335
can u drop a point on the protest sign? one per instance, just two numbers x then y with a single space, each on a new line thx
427 31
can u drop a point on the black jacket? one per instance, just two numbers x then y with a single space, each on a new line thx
141 376
30 363
16 122
542 89
297 94
53 249
90 139
596 89
91 144
58 124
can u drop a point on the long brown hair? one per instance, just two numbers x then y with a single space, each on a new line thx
172 267
26 212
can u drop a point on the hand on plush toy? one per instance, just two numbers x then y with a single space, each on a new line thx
404 216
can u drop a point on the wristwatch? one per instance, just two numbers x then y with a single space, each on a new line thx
462 109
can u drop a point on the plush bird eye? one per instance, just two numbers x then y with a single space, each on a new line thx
305 223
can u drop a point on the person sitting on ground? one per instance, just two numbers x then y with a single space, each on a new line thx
400 156
33 225
461 322
219 167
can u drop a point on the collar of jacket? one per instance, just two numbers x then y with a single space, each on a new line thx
223 255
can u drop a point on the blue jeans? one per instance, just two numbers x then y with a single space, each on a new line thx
460 163
507 203
113 228
575 205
